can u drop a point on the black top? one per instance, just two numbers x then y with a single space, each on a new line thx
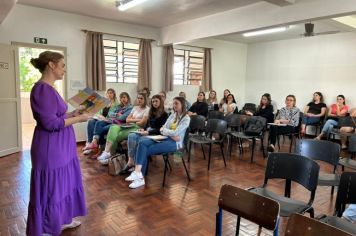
266 112
315 108
155 124
201 108
105 111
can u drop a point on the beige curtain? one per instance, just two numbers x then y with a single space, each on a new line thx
144 65
95 61
168 76
206 84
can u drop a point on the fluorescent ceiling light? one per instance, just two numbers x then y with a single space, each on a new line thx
266 31
123 5
347 20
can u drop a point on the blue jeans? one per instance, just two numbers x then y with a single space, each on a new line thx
132 142
90 129
310 120
100 130
147 147
328 126
350 212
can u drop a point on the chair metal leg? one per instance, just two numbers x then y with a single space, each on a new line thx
275 232
332 190
169 165
165 158
311 212
209 156
287 188
222 152
291 143
253 148
238 225
218 226
185 167
263 148
202 148
190 148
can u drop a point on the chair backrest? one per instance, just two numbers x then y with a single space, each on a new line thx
346 193
197 123
186 139
352 144
326 151
255 125
215 115
250 107
233 121
346 122
256 208
299 225
293 167
216 126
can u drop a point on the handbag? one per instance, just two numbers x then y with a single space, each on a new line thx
116 164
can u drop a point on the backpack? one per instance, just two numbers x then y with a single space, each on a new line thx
255 125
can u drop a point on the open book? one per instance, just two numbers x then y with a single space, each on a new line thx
277 124
157 137
87 100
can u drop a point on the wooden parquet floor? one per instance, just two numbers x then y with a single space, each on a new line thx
181 208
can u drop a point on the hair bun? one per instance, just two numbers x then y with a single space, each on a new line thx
34 62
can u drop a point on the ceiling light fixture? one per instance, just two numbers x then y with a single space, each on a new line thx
123 5
266 31
347 20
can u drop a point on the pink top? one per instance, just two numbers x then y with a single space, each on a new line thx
334 107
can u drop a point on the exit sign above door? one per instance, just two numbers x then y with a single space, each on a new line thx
40 40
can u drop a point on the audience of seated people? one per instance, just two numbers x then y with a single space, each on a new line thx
336 110
212 101
265 109
174 129
97 129
229 105
117 133
156 119
314 111
288 116
187 103
200 107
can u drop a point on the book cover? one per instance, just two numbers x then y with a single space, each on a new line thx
87 100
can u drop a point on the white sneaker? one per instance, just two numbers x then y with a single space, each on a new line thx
74 224
87 152
134 176
104 155
137 183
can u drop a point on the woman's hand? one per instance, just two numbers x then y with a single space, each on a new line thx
144 133
84 117
176 138
277 122
249 113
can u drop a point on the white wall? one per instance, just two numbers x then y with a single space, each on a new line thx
301 67
63 29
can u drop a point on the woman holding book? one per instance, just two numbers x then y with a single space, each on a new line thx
101 127
286 122
156 119
174 129
117 133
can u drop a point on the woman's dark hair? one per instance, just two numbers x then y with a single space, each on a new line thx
113 91
233 98
268 96
44 58
184 108
341 96
204 96
144 99
156 112
320 95
292 96
147 91
124 94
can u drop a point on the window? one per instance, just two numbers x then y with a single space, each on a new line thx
121 61
188 67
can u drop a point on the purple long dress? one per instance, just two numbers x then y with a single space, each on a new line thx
56 192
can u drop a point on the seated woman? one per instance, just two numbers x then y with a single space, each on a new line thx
339 109
265 109
223 100
212 101
200 107
156 119
289 116
345 130
101 127
174 129
187 103
229 106
313 111
117 133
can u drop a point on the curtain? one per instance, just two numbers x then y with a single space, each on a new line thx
144 65
95 61
168 76
206 82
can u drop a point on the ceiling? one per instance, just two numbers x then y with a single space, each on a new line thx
156 13
294 31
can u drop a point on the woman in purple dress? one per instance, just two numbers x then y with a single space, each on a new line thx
56 192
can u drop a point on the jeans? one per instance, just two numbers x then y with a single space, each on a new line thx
350 212
132 142
90 129
278 130
101 128
147 147
310 120
328 126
